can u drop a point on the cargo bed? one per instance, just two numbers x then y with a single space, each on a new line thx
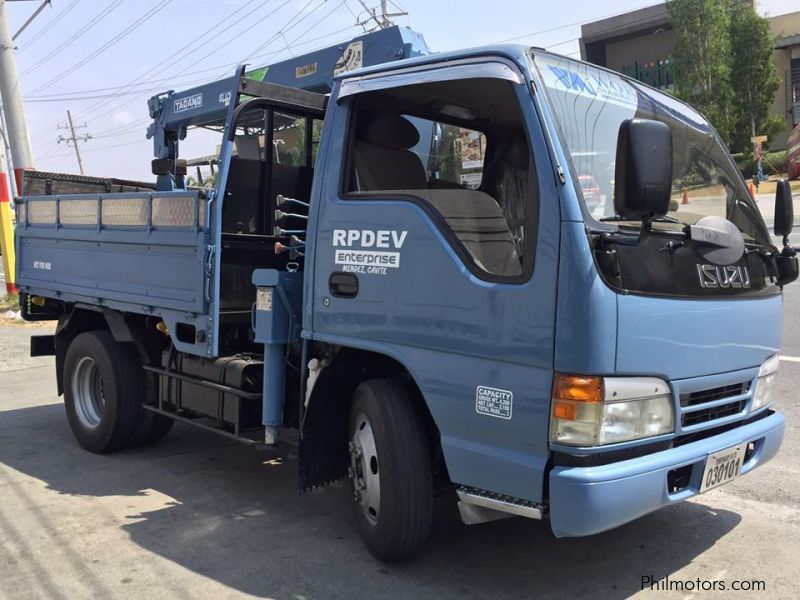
46 183
139 251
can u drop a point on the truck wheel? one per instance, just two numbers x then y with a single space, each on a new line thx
151 427
391 470
102 391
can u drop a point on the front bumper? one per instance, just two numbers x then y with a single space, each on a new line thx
588 500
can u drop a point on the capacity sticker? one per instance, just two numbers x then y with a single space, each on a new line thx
493 402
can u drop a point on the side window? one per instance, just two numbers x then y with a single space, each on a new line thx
453 156
460 148
290 140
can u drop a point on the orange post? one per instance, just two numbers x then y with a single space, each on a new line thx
6 229
752 190
685 197
6 232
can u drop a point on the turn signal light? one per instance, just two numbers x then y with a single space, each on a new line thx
577 388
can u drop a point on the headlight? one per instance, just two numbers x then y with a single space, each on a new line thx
766 382
593 411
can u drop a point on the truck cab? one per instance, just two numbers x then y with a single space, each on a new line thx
427 295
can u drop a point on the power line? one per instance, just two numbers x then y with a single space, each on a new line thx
32 18
73 38
218 34
551 29
70 95
355 16
317 22
101 148
293 22
49 26
111 132
213 51
283 30
200 38
116 39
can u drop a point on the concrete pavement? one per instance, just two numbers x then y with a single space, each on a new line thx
200 517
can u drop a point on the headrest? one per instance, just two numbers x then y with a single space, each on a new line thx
390 131
514 151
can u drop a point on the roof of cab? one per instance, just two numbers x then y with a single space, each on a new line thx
513 52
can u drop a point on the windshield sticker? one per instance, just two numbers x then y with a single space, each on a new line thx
590 83
366 251
493 402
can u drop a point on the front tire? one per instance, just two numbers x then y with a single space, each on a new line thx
103 390
391 470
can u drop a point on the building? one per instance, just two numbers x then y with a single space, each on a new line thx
639 43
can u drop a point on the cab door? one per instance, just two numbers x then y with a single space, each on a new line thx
436 244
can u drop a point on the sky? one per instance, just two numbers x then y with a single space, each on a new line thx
102 59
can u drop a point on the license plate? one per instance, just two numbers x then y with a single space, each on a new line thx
722 467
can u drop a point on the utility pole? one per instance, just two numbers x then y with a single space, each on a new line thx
386 16
6 229
17 129
7 150
42 6
384 20
17 132
73 139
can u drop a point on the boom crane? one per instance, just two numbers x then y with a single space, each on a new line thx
173 112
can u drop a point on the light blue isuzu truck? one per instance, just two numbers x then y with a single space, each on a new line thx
428 291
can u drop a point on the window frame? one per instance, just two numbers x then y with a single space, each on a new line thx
531 216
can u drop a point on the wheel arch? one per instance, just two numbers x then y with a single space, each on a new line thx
323 431
124 327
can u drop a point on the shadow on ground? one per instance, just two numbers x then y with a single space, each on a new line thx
233 515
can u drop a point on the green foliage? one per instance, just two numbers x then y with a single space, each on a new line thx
702 58
209 181
774 163
450 157
9 302
723 67
753 76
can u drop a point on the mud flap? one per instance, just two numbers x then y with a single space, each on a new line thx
323 455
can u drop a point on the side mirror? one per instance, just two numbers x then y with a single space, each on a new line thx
643 170
784 209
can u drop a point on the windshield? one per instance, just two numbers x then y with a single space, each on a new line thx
590 104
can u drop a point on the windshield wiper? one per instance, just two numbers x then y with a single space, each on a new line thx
663 219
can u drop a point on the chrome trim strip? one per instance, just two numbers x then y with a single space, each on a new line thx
503 506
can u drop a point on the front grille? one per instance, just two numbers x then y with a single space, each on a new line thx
717 393
712 414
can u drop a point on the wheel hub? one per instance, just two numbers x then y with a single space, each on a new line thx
364 469
87 390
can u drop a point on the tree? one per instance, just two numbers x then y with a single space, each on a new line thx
702 58
753 76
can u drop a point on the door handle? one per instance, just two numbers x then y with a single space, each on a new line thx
343 285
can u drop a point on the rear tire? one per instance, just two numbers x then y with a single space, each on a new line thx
103 390
152 428
391 470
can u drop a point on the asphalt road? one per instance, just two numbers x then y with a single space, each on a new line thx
200 517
